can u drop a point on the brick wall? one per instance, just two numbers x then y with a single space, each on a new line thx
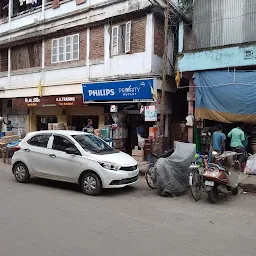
4 60
82 51
159 37
138 35
97 42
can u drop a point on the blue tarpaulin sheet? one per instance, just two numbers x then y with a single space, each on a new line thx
226 96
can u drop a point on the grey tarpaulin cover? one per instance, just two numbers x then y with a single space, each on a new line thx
172 173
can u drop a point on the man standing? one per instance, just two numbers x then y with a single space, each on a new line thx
89 128
218 140
9 126
237 138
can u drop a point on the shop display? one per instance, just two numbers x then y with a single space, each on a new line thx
56 126
152 132
206 141
106 132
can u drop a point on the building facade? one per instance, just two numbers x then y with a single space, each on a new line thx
49 49
217 54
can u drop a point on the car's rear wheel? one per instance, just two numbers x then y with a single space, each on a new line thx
21 173
91 184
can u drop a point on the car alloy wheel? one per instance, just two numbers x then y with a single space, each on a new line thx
21 173
91 184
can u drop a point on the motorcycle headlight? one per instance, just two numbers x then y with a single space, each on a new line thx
110 166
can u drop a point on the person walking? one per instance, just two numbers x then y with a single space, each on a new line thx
237 137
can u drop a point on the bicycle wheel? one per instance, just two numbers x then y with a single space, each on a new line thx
149 175
195 188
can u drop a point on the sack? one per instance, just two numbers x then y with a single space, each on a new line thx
250 167
141 141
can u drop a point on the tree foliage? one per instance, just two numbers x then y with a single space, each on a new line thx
186 6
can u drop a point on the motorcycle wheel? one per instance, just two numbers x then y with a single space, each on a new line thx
235 191
149 175
213 195
195 188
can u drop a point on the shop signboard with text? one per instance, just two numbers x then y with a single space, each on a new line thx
113 91
48 101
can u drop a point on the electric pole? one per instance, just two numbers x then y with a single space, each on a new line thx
165 62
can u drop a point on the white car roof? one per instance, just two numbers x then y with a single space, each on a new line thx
61 132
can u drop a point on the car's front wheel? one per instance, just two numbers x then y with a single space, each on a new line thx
21 173
91 184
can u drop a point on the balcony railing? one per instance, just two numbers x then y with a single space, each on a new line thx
4 9
20 7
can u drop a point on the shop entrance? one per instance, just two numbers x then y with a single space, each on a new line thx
77 122
133 121
43 121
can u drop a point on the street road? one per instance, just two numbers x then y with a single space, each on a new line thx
46 218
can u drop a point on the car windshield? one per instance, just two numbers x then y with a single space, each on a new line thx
92 143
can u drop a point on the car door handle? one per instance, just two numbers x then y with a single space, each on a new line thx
52 155
27 149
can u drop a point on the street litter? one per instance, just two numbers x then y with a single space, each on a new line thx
250 167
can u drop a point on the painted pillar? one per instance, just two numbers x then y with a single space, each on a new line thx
181 37
191 108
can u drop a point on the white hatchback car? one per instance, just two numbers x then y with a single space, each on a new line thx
75 157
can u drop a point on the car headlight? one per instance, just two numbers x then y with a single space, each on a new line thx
110 166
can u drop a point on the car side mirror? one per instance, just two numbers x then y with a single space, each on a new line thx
72 151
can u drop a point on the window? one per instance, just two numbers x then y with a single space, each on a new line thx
26 56
65 49
121 39
40 140
92 143
61 143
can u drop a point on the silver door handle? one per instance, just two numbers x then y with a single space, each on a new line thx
27 149
52 155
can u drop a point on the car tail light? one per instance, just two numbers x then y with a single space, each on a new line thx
16 148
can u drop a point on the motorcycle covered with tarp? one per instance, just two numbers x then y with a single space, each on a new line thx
172 173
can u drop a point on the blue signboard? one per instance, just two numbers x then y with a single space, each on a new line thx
126 90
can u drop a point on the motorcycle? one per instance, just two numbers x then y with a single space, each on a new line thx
212 177
150 173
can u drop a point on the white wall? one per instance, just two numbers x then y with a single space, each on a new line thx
4 27
68 15
111 67
69 80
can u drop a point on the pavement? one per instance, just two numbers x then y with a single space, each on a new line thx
246 182
48 218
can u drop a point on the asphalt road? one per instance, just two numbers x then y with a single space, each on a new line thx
46 218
